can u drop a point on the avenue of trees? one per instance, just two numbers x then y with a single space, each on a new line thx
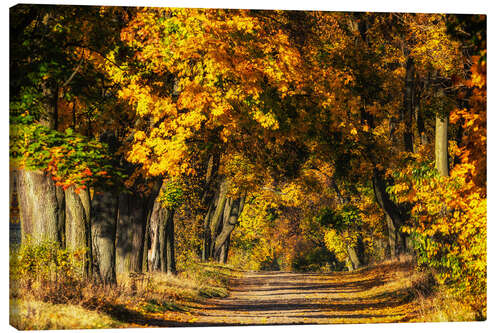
273 139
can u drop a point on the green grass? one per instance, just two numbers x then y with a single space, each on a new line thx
211 292
157 306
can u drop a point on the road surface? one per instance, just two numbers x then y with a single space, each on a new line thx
320 298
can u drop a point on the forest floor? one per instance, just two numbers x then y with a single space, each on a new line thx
386 292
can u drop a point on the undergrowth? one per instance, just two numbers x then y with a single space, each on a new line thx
47 283
48 291
434 302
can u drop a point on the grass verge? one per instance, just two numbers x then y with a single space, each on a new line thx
138 300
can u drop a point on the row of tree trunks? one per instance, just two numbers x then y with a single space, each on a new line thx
49 213
119 237
220 221
234 207
111 226
215 219
167 243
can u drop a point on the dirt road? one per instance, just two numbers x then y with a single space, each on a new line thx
293 298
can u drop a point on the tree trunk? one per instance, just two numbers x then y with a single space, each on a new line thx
421 126
154 249
394 217
441 145
348 263
391 237
130 230
407 112
166 241
170 243
104 213
224 252
41 207
162 252
229 223
383 199
353 256
148 234
12 184
154 235
209 200
61 215
207 241
78 224
220 227
218 216
49 116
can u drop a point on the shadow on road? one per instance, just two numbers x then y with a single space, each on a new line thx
274 298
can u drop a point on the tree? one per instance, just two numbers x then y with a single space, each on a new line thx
56 56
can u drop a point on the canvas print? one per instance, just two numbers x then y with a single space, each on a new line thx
176 167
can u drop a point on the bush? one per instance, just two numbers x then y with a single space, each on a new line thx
448 228
314 260
46 271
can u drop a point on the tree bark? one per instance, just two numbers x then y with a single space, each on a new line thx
441 145
391 236
41 208
229 223
217 217
104 213
12 184
130 230
162 252
407 112
61 215
383 199
207 241
78 224
224 252
148 234
154 236
349 263
169 252
353 256
394 217
421 126
166 240
209 199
